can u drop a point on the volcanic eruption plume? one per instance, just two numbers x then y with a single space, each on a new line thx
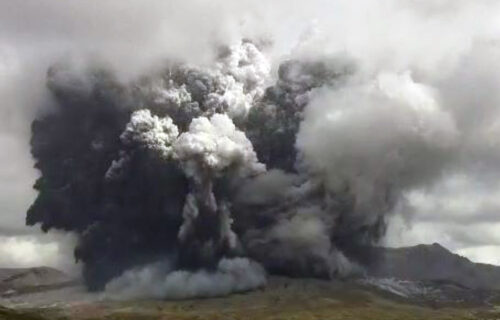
197 180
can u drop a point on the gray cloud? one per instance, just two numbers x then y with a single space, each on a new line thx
447 46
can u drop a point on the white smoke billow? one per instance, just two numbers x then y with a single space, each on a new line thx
390 135
147 132
155 281
151 132
231 275
216 144
242 146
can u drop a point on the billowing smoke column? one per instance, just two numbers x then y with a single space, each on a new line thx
201 178
211 149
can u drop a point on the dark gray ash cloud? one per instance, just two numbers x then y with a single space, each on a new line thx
164 128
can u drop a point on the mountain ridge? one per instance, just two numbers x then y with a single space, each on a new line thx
425 262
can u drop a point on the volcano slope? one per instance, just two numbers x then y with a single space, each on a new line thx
283 298
403 283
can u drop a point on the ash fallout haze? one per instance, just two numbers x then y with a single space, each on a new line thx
191 148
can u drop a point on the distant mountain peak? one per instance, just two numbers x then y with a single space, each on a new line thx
429 262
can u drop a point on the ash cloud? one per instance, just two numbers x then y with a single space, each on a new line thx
171 138
159 281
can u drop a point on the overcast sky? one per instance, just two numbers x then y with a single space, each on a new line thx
452 46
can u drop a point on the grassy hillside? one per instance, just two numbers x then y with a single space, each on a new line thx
300 299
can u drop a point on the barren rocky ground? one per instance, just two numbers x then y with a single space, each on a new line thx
283 298
391 290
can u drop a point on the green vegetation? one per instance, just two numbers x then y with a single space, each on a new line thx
296 303
8 314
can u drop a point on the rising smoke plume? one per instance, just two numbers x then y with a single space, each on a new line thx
207 176
179 164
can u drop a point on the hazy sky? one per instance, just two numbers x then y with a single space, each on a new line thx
450 46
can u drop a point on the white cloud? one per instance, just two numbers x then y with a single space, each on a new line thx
484 254
462 212
53 250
